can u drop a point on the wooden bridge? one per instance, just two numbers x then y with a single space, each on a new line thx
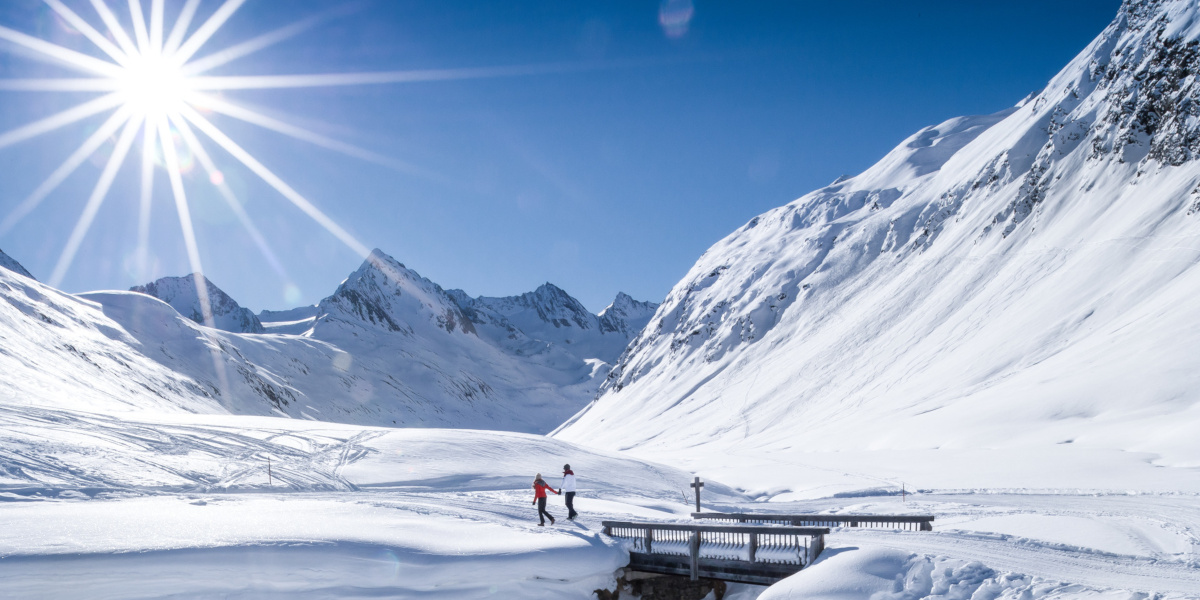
759 554
903 522
753 548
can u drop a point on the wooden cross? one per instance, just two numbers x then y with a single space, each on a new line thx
697 484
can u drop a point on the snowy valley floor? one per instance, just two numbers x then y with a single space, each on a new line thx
149 506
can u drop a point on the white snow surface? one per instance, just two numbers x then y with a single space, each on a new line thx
153 505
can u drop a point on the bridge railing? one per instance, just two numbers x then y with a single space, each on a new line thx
749 553
903 522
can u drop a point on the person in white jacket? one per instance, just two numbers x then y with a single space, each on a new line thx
568 491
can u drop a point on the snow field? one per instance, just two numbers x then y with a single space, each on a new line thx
150 505
153 505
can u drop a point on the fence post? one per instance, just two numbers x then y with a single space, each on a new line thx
695 555
649 539
753 546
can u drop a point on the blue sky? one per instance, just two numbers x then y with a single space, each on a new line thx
638 146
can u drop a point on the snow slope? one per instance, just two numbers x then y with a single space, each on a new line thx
183 294
61 351
7 262
1018 286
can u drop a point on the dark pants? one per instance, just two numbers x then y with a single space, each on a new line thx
542 514
571 514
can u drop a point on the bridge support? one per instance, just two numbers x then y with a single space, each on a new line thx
649 586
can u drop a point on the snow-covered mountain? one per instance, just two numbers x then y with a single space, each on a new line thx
7 262
1026 279
61 351
549 315
388 347
183 294
626 316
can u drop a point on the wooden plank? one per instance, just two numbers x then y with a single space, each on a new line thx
843 518
777 530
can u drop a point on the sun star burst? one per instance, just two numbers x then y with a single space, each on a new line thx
156 81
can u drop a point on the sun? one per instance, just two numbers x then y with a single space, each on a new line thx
153 85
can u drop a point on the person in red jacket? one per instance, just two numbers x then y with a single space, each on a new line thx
539 498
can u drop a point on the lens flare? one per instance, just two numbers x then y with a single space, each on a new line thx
675 17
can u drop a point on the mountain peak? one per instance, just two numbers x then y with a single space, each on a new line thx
183 294
626 315
550 288
384 293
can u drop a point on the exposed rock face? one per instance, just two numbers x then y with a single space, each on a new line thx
183 295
